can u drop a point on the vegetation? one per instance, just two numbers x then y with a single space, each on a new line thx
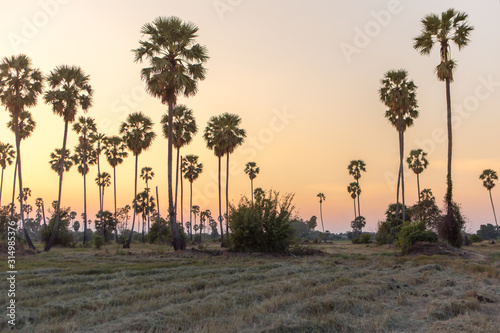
488 177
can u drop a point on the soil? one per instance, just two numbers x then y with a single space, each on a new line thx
430 249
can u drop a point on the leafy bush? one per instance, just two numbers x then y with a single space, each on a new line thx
412 233
63 235
263 226
98 242
363 239
450 226
475 239
156 231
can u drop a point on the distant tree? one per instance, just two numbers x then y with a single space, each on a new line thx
355 168
488 177
191 170
252 170
7 154
147 174
354 190
426 209
357 225
322 198
417 163
76 226
105 223
103 180
488 231
312 223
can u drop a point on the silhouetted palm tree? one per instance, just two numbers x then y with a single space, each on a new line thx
175 67
20 85
488 177
252 170
354 190
417 163
7 155
191 170
138 135
399 95
355 167
55 160
322 198
147 174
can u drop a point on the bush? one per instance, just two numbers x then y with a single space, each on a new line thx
63 235
98 242
450 226
263 226
363 239
156 231
412 233
475 239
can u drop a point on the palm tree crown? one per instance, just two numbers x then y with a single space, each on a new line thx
252 170
7 154
488 177
417 161
191 168
184 126
137 132
114 149
355 167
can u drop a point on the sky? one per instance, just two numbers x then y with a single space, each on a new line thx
304 78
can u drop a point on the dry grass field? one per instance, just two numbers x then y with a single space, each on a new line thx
349 288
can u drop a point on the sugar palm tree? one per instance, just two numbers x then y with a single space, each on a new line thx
450 27
355 167
196 211
147 174
138 135
83 157
488 177
115 151
191 170
20 86
417 163
322 198
103 180
215 141
205 216
252 170
399 95
354 190
175 67
184 129
97 140
144 206
69 90
7 154
55 160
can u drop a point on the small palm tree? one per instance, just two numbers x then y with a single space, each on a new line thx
196 211
175 67
355 167
138 135
488 177
103 180
205 216
354 190
97 140
20 86
147 174
417 163
252 170
7 154
191 170
322 198
399 95
69 90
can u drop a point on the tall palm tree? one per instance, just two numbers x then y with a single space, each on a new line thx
103 180
233 137
20 85
417 163
191 170
354 189
175 67
252 170
488 177
114 149
322 198
55 160
7 155
83 157
184 129
196 211
138 135
450 27
147 174
69 90
399 95
97 139
215 141
355 167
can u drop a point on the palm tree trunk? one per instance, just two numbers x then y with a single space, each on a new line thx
61 173
493 206
359 194
321 214
158 220
43 213
176 182
1 186
399 180
99 180
114 199
401 154
127 244
84 206
147 205
14 192
191 210
354 209
227 195
251 189
178 241
448 121
182 198
220 204
418 186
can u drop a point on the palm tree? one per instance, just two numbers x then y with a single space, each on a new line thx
103 180
98 139
20 85
322 198
138 135
83 157
252 170
55 160
175 67
147 174
452 26
144 206
39 210
488 177
205 215
191 170
354 190
184 129
69 91
215 141
7 155
114 149
399 95
355 167
417 163
196 211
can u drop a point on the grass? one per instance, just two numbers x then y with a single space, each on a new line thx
351 288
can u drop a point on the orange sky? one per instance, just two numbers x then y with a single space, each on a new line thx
303 76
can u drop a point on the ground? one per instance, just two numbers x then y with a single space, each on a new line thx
348 288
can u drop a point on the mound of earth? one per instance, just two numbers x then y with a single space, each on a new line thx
430 249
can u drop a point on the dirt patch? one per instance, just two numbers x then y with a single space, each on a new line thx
430 249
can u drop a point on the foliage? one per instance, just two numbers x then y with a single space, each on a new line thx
488 231
312 223
98 242
300 228
426 209
451 224
105 223
475 239
159 230
358 224
62 236
412 232
362 239
263 226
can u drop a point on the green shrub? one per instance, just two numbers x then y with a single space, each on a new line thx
412 233
63 236
156 231
263 226
363 239
475 239
98 242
